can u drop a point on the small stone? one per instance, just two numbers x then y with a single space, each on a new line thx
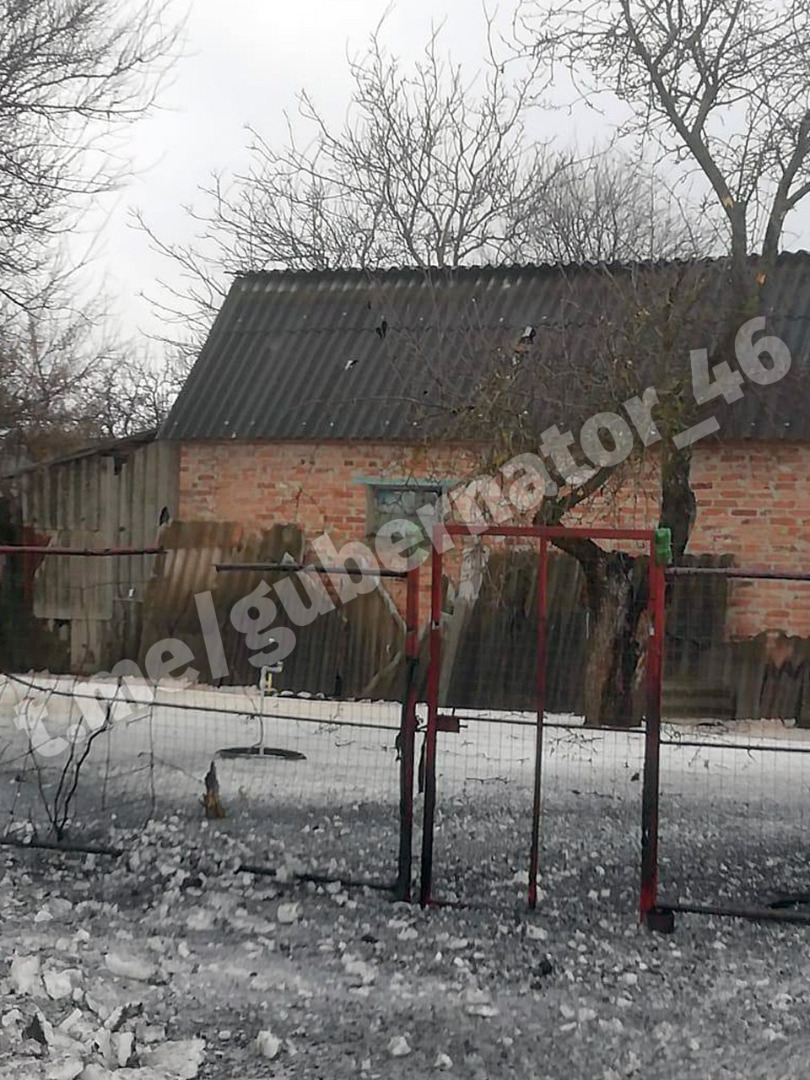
268 1045
399 1046
288 913
125 967
58 984
24 976
123 1043
536 933
95 1072
181 1060
69 1069
443 1062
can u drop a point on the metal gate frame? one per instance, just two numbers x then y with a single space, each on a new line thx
436 721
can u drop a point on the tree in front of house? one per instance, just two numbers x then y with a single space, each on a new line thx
718 89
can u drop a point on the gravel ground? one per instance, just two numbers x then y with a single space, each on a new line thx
171 946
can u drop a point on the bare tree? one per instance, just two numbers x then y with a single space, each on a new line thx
67 378
72 72
608 208
719 89
134 393
430 169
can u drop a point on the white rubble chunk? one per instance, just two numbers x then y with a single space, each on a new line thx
180 1060
68 1069
95 1072
443 1062
58 984
288 913
479 1003
399 1046
123 1043
268 1045
201 919
24 976
130 967
536 933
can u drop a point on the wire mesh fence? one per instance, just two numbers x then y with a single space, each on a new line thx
734 814
731 807
589 812
561 800
293 772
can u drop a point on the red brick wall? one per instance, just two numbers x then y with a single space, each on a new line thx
753 503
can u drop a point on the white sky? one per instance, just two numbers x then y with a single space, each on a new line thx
243 63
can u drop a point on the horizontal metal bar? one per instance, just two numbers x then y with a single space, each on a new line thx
65 847
292 568
549 532
548 725
702 745
737 911
245 714
735 572
321 879
39 549
449 724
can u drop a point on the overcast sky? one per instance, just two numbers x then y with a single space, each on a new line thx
243 63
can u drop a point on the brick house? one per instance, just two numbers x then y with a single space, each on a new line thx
333 402
311 403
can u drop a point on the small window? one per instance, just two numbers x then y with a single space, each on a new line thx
392 502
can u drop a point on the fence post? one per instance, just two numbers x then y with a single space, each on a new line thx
434 672
408 737
542 605
652 744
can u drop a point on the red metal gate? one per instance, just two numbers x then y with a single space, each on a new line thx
437 720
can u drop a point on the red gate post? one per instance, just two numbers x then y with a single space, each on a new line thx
542 605
426 871
652 746
408 737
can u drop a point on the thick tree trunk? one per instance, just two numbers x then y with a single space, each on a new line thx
617 596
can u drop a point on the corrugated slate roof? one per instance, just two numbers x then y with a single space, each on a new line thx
350 354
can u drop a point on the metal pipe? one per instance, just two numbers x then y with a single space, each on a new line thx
652 742
542 607
548 532
705 745
734 572
34 549
408 738
320 879
741 911
293 568
66 847
426 872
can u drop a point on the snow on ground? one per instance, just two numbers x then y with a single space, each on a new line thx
170 963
